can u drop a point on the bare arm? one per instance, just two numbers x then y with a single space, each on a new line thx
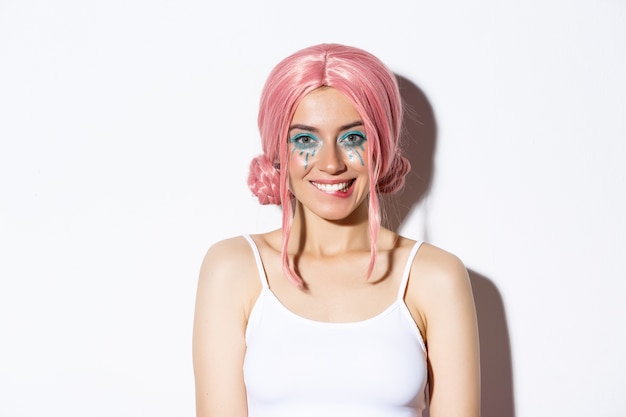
219 332
452 336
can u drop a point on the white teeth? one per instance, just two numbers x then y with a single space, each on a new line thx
332 188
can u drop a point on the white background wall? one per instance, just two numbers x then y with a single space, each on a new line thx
126 129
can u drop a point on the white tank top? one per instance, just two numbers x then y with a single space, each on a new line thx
297 367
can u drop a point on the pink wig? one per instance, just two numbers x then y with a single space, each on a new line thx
372 89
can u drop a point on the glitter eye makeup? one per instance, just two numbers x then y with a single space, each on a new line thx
307 145
353 138
353 143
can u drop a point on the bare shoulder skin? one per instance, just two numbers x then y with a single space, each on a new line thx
439 296
228 285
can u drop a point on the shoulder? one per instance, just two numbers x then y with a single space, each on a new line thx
431 264
437 267
438 282
229 272
228 254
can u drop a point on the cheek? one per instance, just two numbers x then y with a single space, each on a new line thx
297 168
300 159
356 155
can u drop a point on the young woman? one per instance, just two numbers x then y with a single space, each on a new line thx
332 315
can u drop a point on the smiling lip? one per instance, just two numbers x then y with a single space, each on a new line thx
334 187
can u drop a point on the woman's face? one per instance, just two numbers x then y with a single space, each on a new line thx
328 162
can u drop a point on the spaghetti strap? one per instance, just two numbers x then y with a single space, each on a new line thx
407 270
259 263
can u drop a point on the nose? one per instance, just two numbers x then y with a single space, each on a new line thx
330 159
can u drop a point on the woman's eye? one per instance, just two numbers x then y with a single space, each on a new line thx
303 140
353 138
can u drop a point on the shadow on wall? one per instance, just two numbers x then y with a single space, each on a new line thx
496 370
419 140
419 132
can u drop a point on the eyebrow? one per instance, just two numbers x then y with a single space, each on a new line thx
316 130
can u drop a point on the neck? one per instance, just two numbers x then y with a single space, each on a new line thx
321 237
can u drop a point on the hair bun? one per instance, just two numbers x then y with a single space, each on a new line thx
264 180
393 180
